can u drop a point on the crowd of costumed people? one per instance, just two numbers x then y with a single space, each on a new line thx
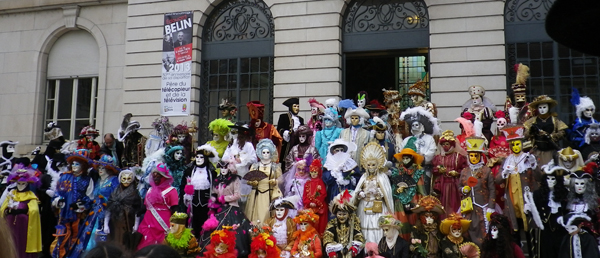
356 179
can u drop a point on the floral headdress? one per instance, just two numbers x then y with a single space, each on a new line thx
263 241
306 215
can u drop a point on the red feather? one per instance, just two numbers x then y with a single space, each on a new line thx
499 114
516 67
590 168
346 196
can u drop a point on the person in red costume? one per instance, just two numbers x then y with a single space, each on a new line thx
315 193
263 243
262 129
222 244
446 169
87 141
498 152
307 243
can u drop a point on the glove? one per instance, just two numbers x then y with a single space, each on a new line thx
50 193
222 199
106 220
286 135
488 213
362 194
187 199
453 173
252 183
466 189
137 224
271 182
354 251
56 204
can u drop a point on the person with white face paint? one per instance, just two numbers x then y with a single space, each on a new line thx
307 243
303 137
426 229
123 205
282 224
499 241
21 211
550 203
544 130
175 160
330 132
582 193
220 129
199 178
584 110
453 227
264 178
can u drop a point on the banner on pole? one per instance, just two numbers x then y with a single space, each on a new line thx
176 64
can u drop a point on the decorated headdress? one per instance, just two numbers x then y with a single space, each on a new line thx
52 131
285 202
303 130
520 86
372 151
569 154
362 95
348 146
227 105
375 105
209 152
467 125
241 128
331 102
500 119
81 156
223 236
388 220
554 169
179 218
572 220
291 101
515 132
419 114
585 172
170 150
316 166
429 204
306 215
455 221
390 96
379 125
581 103
447 136
264 242
419 88
126 172
360 112
314 103
162 123
476 90
417 158
475 144
127 126
163 170
89 130
22 173
255 109
106 161
341 202
181 128
346 104
543 99
220 126
594 128
267 144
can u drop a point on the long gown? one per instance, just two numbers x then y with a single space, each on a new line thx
124 203
24 223
414 178
315 192
482 195
95 219
257 207
445 184
150 228
373 187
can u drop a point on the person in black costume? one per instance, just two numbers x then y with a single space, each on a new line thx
286 126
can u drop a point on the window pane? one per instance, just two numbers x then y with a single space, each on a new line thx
232 65
50 94
65 97
547 49
244 81
223 66
254 66
80 124
535 51
264 64
65 127
213 65
50 109
84 98
245 64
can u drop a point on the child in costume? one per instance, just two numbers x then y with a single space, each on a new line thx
222 244
159 201
181 238
453 227
264 190
427 228
407 188
95 224
391 244
220 129
21 211
373 192
446 169
315 193
498 242
343 237
307 243
477 185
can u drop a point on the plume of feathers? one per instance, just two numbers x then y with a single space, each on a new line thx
513 114
522 74
347 103
575 99
467 126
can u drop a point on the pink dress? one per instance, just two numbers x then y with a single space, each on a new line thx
149 227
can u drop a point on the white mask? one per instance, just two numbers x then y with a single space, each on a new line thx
551 181
429 220
181 137
416 128
75 166
313 110
279 213
216 137
303 226
543 108
406 160
476 100
328 123
579 184
178 155
361 103
10 148
501 123
588 112
568 164
199 160
494 232
416 99
257 123
302 138
21 186
102 171
390 232
455 232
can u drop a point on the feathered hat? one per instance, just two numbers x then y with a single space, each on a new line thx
467 125
572 220
209 152
162 123
581 103
455 221
314 103
388 220
106 161
179 218
419 88
390 96
520 85
227 105
341 202
375 105
379 125
552 168
127 126
22 173
52 131
81 156
419 114
330 114
585 172
163 170
255 109
316 166
241 128
306 215
347 146
264 242
429 204
89 130
285 202
220 126
347 104
226 236
181 128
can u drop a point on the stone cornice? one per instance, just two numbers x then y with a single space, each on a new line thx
20 6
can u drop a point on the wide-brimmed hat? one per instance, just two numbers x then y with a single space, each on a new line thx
543 99
569 154
287 202
379 125
306 215
304 129
342 202
360 112
241 128
419 114
575 33
419 88
106 161
81 156
429 204
348 146
388 220
454 219
418 159
163 170
375 105
209 152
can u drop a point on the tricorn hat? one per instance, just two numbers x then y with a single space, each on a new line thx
291 101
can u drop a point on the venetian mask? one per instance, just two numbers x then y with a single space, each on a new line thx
257 123
494 232
416 128
429 220
295 109
101 171
314 174
181 137
328 123
389 232
176 228
361 102
568 164
76 167
314 110
543 108
266 154
221 248
407 159
476 100
516 146
416 99
224 112
354 120
551 180
126 179
261 253
216 137
455 232
199 159
446 146
342 216
474 157
579 184
594 137
371 166
178 155
10 148
21 186
302 138
304 226
588 112
519 97
300 168
501 123
280 213
380 135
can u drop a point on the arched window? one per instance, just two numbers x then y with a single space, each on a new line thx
554 68
72 86
385 45
237 59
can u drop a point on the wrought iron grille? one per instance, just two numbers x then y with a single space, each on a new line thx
554 70
383 15
241 80
526 10
240 20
